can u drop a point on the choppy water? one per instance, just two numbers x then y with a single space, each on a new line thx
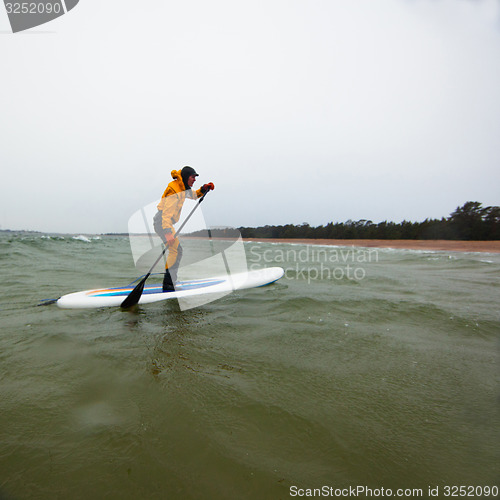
387 378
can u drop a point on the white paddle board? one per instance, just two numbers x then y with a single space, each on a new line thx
112 297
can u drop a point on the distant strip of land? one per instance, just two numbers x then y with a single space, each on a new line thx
445 245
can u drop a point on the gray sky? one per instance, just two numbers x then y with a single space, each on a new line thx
299 111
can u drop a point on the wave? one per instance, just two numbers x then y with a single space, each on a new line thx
86 239
27 237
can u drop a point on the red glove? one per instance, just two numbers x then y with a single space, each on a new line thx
170 238
207 187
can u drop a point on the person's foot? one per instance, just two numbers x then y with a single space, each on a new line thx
168 285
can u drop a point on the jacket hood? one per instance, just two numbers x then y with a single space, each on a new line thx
177 175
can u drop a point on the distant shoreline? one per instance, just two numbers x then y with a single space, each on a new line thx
490 246
446 245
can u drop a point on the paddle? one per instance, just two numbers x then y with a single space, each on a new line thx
135 295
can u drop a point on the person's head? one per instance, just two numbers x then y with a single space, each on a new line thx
188 175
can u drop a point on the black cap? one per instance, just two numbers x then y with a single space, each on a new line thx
188 172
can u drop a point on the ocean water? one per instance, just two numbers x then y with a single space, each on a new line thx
359 368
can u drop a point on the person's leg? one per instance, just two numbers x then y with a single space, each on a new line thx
172 266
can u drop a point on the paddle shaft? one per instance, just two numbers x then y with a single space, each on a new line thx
133 297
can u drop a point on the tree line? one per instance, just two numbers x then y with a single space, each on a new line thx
471 221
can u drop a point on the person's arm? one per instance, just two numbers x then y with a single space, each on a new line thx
169 208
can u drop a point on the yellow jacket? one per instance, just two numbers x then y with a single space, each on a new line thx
172 200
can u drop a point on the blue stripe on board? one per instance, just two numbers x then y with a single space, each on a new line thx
153 289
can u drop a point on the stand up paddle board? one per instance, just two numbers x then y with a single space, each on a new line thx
109 297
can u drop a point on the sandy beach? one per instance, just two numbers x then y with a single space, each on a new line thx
446 245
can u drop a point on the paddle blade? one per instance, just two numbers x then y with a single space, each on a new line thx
135 295
47 302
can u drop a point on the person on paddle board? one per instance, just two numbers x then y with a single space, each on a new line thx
169 211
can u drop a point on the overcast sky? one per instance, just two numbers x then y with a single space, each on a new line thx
298 110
